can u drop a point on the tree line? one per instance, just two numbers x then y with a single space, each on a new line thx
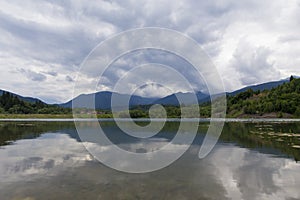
11 104
283 100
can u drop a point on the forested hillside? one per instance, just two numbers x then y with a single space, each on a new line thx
281 101
11 104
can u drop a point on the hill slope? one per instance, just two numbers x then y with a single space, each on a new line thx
27 99
13 104
281 101
261 87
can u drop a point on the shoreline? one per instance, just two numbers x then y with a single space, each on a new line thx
148 119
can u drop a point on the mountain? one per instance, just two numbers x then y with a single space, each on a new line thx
103 100
27 99
15 104
258 87
261 87
186 98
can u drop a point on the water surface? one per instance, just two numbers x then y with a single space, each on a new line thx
252 160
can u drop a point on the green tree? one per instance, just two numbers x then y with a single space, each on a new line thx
2 110
297 112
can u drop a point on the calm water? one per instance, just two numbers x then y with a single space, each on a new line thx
46 160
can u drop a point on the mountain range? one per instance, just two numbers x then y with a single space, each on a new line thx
27 99
103 99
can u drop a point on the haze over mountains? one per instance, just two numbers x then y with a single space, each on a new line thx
103 99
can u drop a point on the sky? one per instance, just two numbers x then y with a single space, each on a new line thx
43 43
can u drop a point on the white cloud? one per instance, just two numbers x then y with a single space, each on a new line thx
253 64
42 157
153 90
55 36
248 175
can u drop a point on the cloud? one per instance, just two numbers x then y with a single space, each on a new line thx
152 90
69 78
55 36
252 64
40 156
34 76
248 175
51 73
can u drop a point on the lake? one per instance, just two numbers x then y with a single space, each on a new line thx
252 160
